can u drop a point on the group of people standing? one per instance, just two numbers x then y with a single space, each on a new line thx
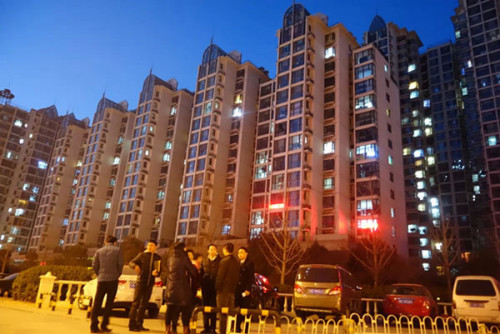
223 281
190 280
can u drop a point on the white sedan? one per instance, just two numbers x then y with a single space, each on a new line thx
125 294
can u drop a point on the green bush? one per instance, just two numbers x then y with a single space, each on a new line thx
25 285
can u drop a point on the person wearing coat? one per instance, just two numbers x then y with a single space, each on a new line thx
243 299
226 282
178 295
208 292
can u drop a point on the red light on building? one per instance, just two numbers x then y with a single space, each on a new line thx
368 224
276 206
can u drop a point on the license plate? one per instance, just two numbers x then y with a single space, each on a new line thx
132 285
472 304
316 291
405 301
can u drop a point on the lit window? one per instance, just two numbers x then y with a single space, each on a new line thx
21 141
428 121
431 160
412 228
237 112
417 133
260 172
475 177
173 110
407 151
26 186
418 153
426 254
329 147
469 64
116 161
439 246
426 103
434 202
18 123
424 242
412 67
105 216
414 94
492 140
330 52
421 185
428 131
19 212
465 91
238 99
257 218
168 145
328 183
435 213
393 213
413 85
477 190
419 174
421 195
161 194
107 205
421 207
166 157
389 158
42 164
32 198
386 68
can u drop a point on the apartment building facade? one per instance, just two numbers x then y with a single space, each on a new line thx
218 167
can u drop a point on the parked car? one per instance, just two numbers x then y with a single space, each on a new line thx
125 294
410 300
325 289
264 296
6 285
477 297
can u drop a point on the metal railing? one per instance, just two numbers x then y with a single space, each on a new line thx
63 291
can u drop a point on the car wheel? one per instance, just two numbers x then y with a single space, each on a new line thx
153 311
81 306
302 315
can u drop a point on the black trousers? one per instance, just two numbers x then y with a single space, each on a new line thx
141 300
107 289
242 302
209 319
224 299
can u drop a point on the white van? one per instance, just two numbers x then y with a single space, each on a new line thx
477 297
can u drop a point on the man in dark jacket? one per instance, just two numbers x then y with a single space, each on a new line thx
208 292
147 266
177 278
247 279
108 265
226 282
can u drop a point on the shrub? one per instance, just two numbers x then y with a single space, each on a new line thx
25 286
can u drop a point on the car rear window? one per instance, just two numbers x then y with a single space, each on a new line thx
407 291
321 275
475 287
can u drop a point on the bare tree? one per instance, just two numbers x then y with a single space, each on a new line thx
281 249
374 256
447 245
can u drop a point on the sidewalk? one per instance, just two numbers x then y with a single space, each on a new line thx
21 317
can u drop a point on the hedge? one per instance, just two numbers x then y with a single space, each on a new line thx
26 284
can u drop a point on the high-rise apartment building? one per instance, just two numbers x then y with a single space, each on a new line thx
147 204
401 49
478 57
100 173
305 175
378 172
27 148
58 190
218 168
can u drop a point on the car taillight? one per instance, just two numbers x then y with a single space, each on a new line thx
158 284
335 291
265 289
426 304
122 282
298 289
454 305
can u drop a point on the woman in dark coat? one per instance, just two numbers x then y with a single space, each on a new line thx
179 271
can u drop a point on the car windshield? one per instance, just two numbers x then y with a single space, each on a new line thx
408 290
475 287
320 275
8 278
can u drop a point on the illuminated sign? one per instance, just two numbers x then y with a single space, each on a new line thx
368 224
276 206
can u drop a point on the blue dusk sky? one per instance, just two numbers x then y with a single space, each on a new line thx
67 52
